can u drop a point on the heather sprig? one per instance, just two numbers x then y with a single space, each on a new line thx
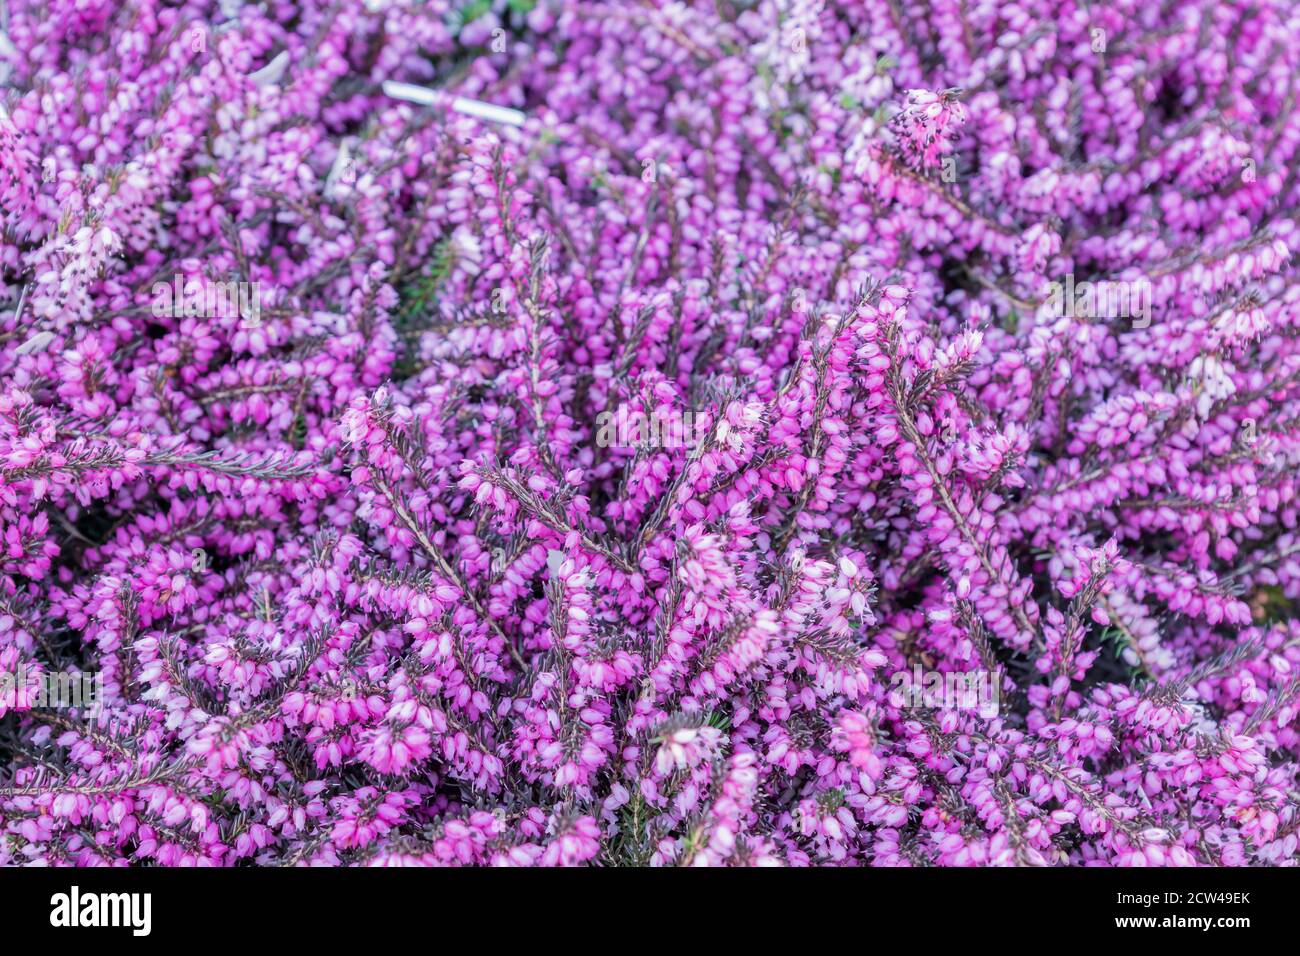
964 533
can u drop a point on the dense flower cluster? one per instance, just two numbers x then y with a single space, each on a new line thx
299 393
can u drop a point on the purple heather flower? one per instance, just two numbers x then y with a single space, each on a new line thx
562 433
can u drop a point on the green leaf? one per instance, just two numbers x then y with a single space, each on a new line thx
472 11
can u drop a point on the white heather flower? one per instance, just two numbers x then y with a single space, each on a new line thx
1214 380
687 747
466 252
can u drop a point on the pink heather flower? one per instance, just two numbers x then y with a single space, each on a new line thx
927 123
949 522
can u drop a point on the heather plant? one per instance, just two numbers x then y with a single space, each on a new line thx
360 583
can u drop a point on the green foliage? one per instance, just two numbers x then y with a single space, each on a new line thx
470 12
417 300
